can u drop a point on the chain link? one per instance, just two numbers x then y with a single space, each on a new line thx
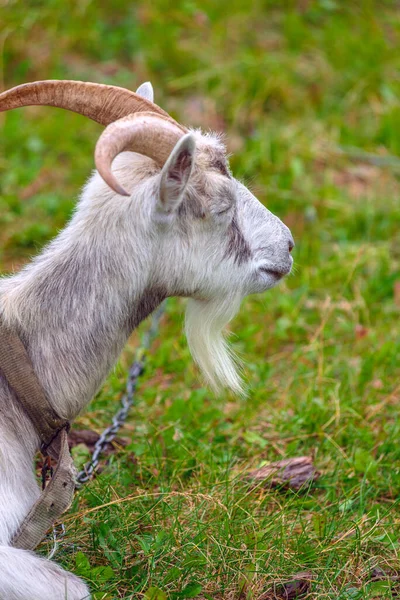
135 371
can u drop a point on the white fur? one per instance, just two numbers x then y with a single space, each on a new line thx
146 90
190 230
204 326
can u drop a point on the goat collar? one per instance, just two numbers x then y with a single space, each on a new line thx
17 368
18 371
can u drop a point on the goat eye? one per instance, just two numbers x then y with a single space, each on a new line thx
224 211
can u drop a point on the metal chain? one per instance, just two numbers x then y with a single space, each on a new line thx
127 400
135 371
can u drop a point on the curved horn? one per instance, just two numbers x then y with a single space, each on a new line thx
147 133
102 103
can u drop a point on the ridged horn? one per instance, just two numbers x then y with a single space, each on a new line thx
148 133
102 103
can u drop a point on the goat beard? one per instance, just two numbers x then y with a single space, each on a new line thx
204 326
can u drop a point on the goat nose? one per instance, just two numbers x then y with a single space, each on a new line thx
291 243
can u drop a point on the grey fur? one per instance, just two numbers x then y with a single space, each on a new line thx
238 247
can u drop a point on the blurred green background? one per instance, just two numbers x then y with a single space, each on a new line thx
307 93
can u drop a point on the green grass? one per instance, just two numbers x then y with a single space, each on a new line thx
302 89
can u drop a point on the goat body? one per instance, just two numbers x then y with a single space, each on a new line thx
187 229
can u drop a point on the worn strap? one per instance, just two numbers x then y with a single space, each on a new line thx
18 370
53 501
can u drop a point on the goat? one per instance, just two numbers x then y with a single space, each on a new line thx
185 228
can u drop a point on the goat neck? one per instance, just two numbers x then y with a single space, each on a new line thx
76 304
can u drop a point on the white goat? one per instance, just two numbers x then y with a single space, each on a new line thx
188 228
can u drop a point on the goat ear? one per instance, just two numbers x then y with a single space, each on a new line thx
146 91
176 172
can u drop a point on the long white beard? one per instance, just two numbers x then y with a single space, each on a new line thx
205 321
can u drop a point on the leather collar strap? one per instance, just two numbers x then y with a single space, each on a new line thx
52 502
17 368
